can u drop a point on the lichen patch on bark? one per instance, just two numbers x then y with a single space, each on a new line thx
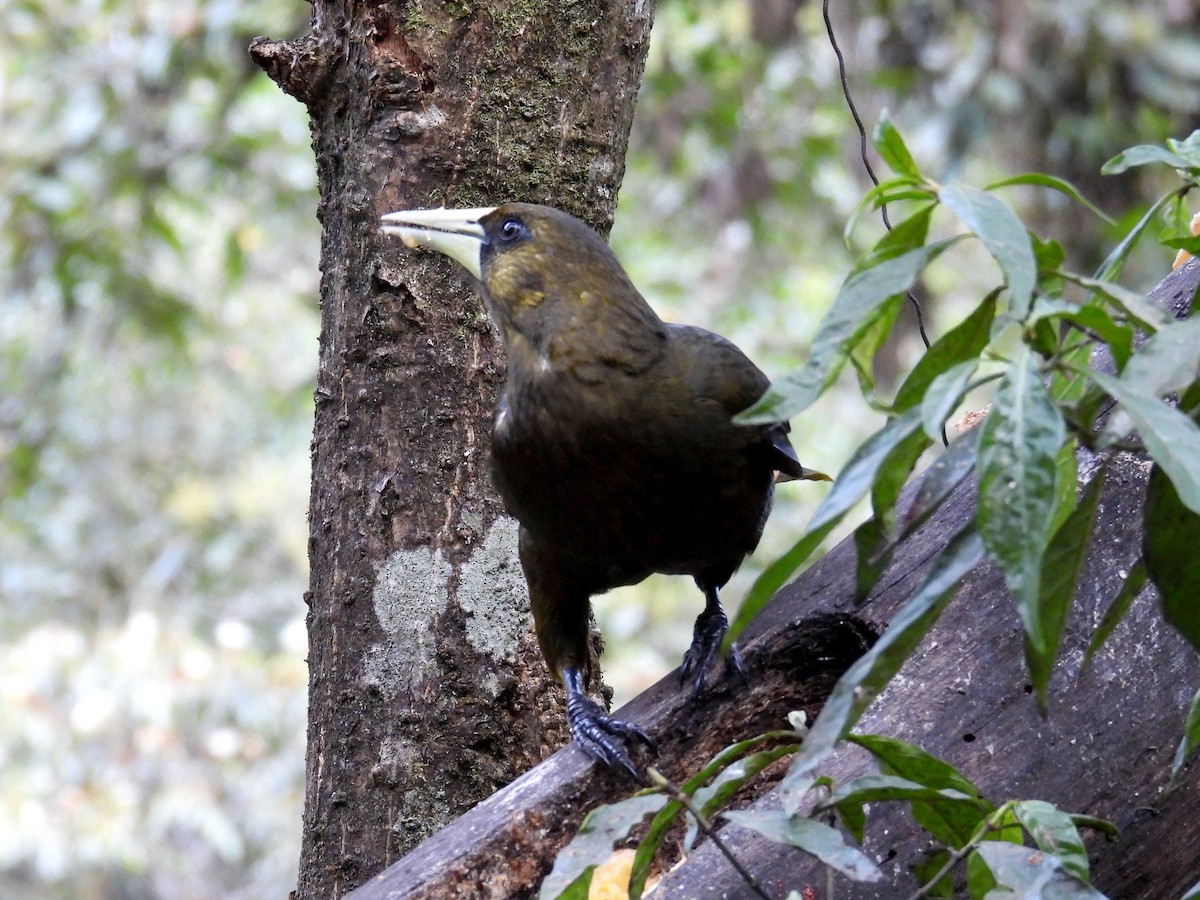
412 588
492 590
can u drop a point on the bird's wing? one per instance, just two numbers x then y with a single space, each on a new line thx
715 372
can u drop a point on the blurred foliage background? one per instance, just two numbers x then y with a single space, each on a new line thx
158 348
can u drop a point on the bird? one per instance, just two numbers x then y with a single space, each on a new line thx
613 443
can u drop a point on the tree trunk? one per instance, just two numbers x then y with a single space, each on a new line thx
427 692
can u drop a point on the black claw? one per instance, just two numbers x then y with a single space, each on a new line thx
602 737
710 629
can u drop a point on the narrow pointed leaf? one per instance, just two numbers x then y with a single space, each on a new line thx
954 824
1058 184
873 537
1170 436
1169 361
862 682
1002 234
860 301
852 483
1064 561
911 762
1018 449
965 341
712 798
950 816
1191 738
892 149
1111 267
1033 873
907 234
1053 831
811 836
1142 155
1172 534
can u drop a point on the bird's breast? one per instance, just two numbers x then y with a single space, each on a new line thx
621 475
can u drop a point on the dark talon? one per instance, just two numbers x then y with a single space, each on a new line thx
598 734
707 636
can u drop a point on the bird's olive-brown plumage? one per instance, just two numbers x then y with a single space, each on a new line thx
614 445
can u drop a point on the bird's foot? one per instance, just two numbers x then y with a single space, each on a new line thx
710 629
603 737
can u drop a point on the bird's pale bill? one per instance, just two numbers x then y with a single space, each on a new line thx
454 232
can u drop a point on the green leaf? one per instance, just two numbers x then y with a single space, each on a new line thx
880 788
1002 234
1018 448
873 538
600 832
858 304
954 824
1141 155
1063 566
1033 873
1111 267
1191 738
949 815
665 818
862 354
811 836
1065 483
1095 321
907 234
892 148
1169 435
860 684
1130 588
1105 827
873 554
1190 243
980 881
1193 893
1053 831
1169 361
1188 149
1058 184
925 871
965 341
1049 255
911 762
852 483
1169 545
884 192
944 394
732 779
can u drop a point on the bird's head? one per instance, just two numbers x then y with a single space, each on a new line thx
546 276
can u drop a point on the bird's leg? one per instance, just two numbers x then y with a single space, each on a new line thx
598 734
710 629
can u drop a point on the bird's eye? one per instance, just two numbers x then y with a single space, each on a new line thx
512 230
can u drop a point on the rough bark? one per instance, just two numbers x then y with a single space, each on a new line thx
426 689
1105 748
